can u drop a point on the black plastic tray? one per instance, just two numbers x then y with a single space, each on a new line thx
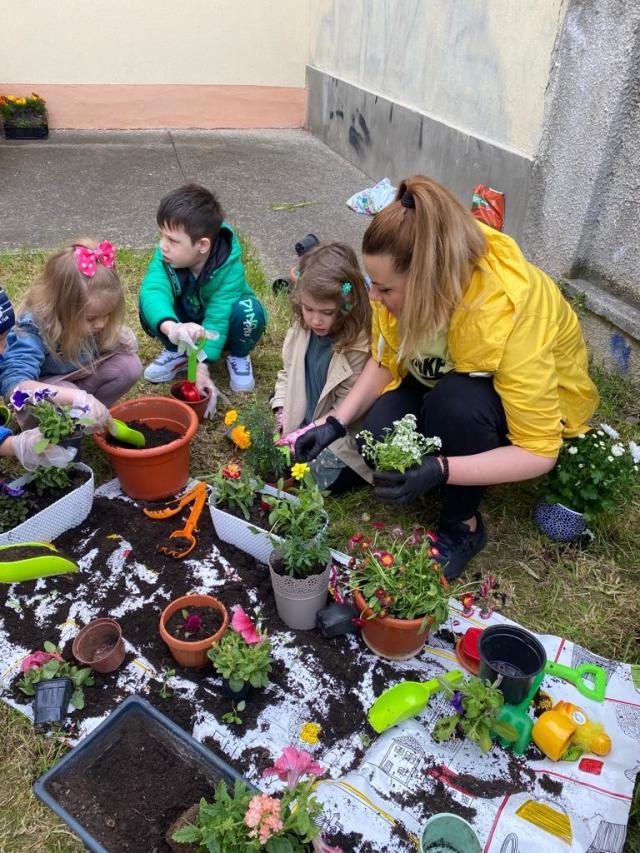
106 734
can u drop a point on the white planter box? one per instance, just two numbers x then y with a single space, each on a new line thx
236 531
61 515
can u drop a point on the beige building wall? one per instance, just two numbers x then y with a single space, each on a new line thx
104 63
480 66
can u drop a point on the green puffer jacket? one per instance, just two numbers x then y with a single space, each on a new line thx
172 294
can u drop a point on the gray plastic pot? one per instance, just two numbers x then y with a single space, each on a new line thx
448 833
298 600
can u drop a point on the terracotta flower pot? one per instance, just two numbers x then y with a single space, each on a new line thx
198 408
155 472
394 639
100 645
192 654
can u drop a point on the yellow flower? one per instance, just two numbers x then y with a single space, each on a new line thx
310 732
299 470
241 437
12 99
231 417
20 102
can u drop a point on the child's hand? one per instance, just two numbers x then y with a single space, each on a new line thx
185 335
54 456
205 385
89 406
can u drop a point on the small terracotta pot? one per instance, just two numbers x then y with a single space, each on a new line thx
198 408
100 645
193 654
153 473
394 639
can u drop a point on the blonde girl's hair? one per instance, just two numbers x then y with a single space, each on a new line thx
330 273
436 243
58 301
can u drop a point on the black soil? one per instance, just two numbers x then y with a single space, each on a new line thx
153 437
551 786
131 794
211 622
23 552
38 502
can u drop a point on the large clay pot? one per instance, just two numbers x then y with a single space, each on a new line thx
193 654
394 639
198 408
153 473
100 645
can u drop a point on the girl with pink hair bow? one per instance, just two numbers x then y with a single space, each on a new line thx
70 336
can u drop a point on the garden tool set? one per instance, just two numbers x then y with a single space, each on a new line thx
196 496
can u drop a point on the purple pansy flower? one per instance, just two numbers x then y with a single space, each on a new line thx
43 394
456 701
19 399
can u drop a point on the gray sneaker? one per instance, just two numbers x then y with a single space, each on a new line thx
240 373
166 366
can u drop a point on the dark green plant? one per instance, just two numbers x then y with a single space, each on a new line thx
14 508
55 667
164 691
241 662
401 447
477 704
233 717
303 518
236 488
263 457
45 480
56 421
22 112
302 557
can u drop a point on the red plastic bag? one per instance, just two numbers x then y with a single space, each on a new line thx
487 205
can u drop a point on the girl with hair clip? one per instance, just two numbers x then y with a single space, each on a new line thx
475 341
323 355
70 334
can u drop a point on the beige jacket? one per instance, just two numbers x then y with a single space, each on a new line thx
290 393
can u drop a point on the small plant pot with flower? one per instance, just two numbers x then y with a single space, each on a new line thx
398 590
242 657
189 625
595 473
24 117
54 683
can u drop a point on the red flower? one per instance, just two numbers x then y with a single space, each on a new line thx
379 525
265 507
380 593
357 537
231 471
192 624
358 621
387 559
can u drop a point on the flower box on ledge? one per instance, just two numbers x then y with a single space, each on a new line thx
34 131
24 118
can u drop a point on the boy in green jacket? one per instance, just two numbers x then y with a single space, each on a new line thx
195 287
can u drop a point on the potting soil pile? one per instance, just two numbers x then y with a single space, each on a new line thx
378 790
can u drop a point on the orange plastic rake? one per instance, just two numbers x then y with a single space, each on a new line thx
197 496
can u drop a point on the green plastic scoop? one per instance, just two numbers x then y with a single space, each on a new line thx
28 561
589 679
119 429
517 717
405 700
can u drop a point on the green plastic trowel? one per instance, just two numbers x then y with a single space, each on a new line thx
119 429
405 700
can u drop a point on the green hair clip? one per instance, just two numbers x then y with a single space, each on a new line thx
346 287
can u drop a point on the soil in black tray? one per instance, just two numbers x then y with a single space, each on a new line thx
153 437
193 624
132 793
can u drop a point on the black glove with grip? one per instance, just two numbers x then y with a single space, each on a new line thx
397 488
313 442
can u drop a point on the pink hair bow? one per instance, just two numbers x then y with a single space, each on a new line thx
86 259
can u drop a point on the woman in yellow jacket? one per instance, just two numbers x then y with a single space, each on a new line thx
475 341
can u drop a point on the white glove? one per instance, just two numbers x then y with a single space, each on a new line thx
87 406
204 384
52 457
186 335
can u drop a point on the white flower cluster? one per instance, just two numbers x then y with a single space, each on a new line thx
405 436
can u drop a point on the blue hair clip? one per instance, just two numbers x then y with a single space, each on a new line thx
346 287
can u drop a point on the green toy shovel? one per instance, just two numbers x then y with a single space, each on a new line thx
405 700
589 679
28 561
119 429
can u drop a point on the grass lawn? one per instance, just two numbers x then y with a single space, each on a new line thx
588 596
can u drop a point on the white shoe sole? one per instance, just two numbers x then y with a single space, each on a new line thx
242 389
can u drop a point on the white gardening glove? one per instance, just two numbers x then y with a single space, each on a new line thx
86 405
53 456
186 335
204 384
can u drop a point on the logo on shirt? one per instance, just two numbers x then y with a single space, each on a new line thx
431 368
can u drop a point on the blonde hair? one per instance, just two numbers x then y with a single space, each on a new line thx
58 301
437 244
324 273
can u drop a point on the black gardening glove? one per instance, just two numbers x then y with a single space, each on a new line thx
313 442
397 488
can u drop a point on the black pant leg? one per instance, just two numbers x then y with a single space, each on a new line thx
467 414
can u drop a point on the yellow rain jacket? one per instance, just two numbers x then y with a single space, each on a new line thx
513 323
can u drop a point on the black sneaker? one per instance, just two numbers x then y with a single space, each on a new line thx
457 545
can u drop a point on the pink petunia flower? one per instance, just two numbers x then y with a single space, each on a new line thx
321 846
292 764
37 659
243 625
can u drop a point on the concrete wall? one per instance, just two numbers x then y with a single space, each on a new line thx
101 63
583 212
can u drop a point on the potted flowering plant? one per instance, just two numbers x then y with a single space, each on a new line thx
476 705
54 683
242 656
55 504
253 429
190 624
300 563
595 473
24 118
244 820
399 590
401 447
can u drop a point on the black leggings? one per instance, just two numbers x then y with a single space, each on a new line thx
465 412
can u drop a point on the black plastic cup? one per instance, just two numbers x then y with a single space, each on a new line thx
305 245
514 656
336 619
236 695
51 701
